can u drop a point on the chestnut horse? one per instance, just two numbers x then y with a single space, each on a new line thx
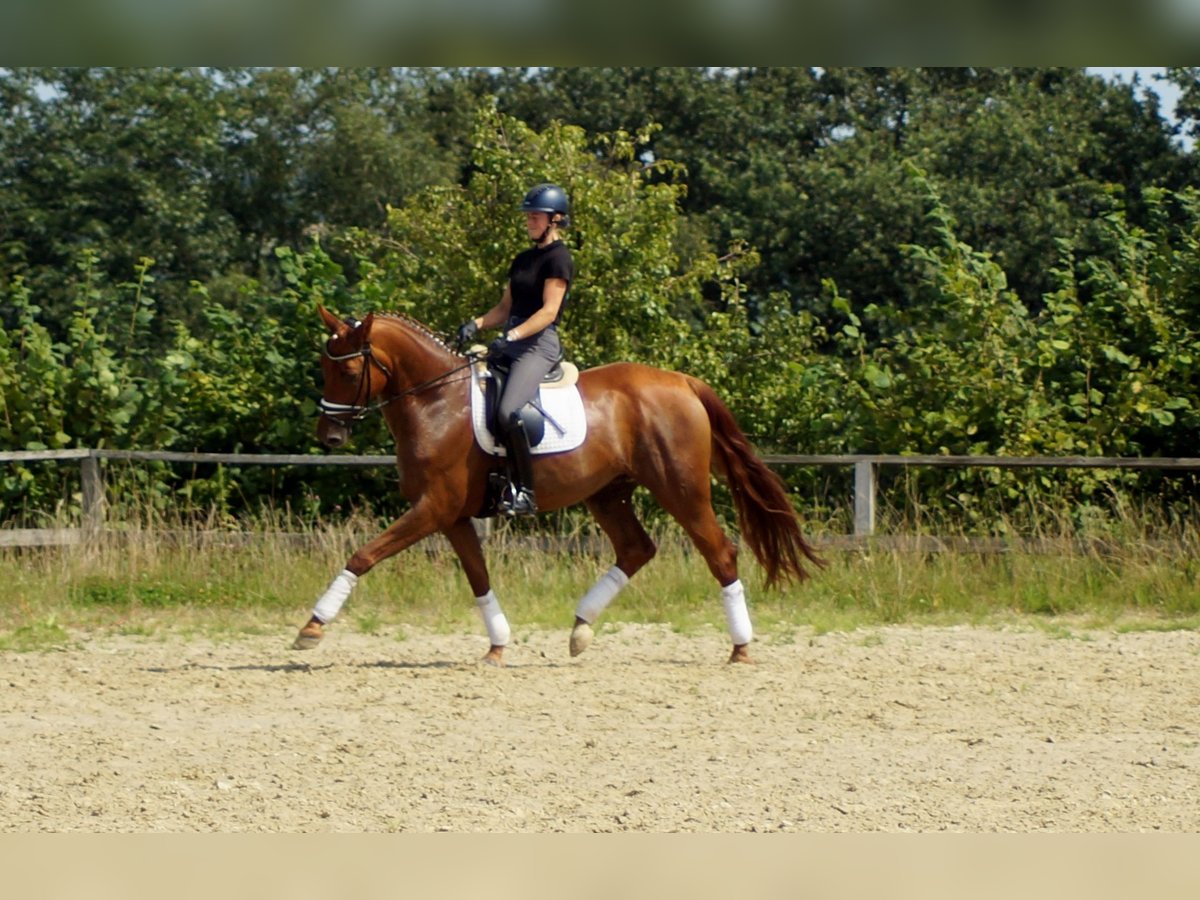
645 426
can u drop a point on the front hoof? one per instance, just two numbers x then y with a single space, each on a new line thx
310 635
494 657
741 654
581 637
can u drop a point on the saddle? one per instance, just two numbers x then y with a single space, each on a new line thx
494 373
558 401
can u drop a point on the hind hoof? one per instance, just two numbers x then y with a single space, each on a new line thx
494 657
741 654
581 637
308 638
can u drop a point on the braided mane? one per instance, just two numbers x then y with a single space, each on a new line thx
419 327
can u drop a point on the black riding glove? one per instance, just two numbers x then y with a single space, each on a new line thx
466 331
498 347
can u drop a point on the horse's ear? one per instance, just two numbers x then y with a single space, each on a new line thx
331 321
366 325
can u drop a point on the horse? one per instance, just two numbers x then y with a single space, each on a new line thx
663 430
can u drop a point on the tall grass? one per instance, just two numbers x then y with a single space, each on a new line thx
210 575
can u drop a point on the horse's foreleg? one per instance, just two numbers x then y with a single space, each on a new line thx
405 531
465 541
614 511
326 609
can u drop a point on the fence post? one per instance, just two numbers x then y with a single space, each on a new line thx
93 496
864 499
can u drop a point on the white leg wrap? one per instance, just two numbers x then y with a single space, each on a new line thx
335 595
601 594
494 619
737 617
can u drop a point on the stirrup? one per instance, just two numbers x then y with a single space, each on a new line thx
518 502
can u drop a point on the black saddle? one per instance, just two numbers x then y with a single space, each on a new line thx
532 413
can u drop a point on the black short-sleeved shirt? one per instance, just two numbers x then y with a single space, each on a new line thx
528 273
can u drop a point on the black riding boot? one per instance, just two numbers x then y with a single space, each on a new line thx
518 500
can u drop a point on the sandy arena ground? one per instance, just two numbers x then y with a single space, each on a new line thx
894 729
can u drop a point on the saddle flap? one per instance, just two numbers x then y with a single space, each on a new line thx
565 424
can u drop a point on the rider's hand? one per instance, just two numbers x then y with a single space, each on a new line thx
498 347
466 331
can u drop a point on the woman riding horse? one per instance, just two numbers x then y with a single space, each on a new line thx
665 431
529 311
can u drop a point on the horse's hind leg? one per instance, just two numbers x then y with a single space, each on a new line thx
691 506
613 510
465 541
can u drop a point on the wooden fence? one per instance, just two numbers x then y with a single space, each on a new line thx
866 469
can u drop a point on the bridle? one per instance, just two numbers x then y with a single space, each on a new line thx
355 412
342 413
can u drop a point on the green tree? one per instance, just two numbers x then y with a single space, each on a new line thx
802 163
445 252
1125 329
119 160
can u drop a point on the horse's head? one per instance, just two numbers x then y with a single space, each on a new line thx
354 377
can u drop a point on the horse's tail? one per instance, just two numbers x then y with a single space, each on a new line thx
765 514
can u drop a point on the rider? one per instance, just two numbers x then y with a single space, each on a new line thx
533 301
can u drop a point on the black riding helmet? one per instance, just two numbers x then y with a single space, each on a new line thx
548 198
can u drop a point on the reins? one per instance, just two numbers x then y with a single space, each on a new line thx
357 412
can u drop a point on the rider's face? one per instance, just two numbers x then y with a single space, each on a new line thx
536 224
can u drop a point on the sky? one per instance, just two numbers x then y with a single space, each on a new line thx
1168 93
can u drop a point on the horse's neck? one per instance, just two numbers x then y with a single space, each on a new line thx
424 368
414 350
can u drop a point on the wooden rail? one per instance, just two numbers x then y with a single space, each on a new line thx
866 468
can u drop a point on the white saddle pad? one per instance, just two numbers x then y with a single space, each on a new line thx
562 404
